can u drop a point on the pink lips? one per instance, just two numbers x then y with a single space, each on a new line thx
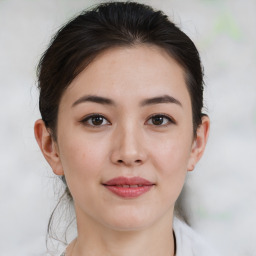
128 187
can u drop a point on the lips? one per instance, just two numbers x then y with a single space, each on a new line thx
128 187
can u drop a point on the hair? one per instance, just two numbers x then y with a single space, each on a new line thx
108 25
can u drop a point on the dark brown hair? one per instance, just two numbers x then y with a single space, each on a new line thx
108 25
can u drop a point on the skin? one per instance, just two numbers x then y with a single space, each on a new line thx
128 143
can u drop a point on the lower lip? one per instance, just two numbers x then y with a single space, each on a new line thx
131 192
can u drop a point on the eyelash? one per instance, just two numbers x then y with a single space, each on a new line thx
88 120
169 119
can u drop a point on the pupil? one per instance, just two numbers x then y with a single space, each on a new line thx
157 120
97 120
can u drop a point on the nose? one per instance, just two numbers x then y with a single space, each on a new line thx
128 147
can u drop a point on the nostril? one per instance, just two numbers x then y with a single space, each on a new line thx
136 161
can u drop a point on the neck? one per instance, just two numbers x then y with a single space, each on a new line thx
96 240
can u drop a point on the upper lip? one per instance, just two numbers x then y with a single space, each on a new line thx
128 181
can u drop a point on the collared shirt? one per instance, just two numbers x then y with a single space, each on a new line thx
188 242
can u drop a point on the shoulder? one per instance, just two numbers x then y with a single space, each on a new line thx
188 242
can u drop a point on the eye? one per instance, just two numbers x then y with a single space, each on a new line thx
160 120
95 120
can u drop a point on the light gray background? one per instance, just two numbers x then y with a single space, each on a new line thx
221 190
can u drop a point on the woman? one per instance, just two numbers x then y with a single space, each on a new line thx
121 97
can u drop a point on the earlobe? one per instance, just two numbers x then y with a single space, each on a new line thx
48 147
199 142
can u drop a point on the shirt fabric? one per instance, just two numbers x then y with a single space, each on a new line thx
188 242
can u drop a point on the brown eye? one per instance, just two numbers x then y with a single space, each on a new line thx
160 120
95 120
157 120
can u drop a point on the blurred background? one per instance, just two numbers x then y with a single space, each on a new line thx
220 192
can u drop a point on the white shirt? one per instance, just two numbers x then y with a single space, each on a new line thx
188 242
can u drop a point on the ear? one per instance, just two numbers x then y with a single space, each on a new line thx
48 147
199 142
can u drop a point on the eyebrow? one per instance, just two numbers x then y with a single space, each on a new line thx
146 102
95 99
160 99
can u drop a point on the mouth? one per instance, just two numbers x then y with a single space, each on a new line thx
128 187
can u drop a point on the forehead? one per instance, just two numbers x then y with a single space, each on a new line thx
135 72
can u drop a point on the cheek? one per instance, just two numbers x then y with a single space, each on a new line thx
82 157
173 162
172 154
170 157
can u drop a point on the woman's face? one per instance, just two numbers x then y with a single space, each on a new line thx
128 114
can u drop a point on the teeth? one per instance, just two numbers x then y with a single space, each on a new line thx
133 186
